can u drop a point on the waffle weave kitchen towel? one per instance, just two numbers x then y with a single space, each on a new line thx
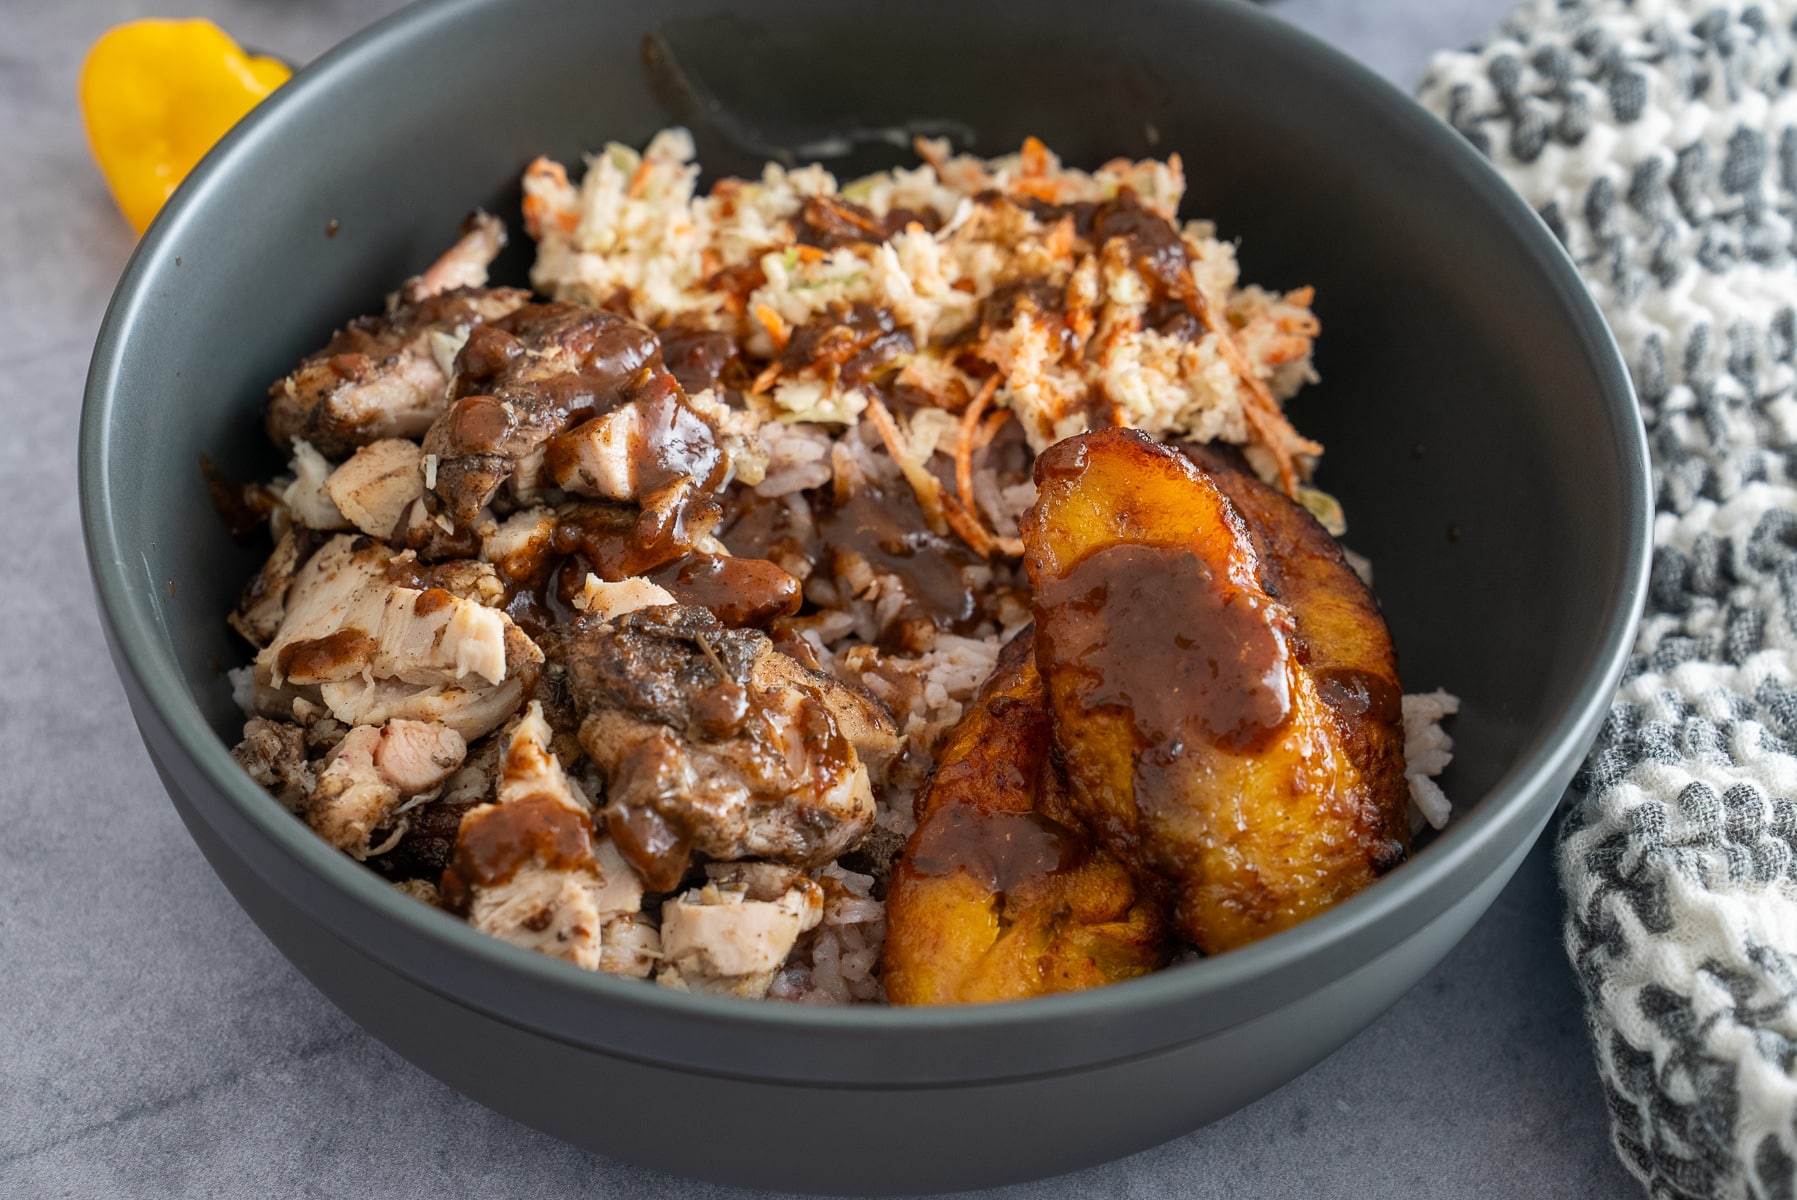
1658 140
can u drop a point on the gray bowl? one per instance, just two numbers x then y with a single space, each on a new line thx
1481 434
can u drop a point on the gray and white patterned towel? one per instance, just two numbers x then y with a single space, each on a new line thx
1658 139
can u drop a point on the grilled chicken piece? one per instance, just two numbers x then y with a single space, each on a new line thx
263 606
388 376
1238 748
371 770
274 755
376 650
426 839
377 485
609 601
654 441
463 265
528 869
707 746
520 381
995 899
469 579
730 936
307 503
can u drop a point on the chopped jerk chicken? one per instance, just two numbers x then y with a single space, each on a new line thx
558 397
520 381
375 650
305 498
378 484
731 935
701 754
528 869
274 754
609 601
263 607
370 771
385 377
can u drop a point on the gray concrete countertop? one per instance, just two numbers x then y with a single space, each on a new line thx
152 1044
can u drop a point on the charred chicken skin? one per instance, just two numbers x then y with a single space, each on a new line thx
1222 689
994 898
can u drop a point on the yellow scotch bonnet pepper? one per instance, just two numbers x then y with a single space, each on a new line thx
156 95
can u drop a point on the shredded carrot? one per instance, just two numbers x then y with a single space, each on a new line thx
810 254
1263 412
1081 322
923 484
549 173
776 326
967 527
536 209
1035 157
765 380
994 422
961 511
639 180
1126 325
970 420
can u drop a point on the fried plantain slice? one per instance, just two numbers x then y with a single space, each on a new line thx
1221 690
993 898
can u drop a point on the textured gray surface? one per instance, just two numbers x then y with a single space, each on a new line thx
152 1044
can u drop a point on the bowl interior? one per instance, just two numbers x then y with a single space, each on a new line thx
1477 423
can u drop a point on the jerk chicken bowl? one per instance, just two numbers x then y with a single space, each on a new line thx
1468 387
905 590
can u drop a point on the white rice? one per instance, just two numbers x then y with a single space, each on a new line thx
1427 751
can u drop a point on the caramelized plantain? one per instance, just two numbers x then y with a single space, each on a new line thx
1226 710
1341 637
993 898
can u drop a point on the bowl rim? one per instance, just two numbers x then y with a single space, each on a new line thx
1518 798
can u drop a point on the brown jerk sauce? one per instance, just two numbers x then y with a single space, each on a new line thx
495 845
655 846
698 358
848 343
999 850
332 656
1151 632
740 591
1155 248
883 525
829 222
